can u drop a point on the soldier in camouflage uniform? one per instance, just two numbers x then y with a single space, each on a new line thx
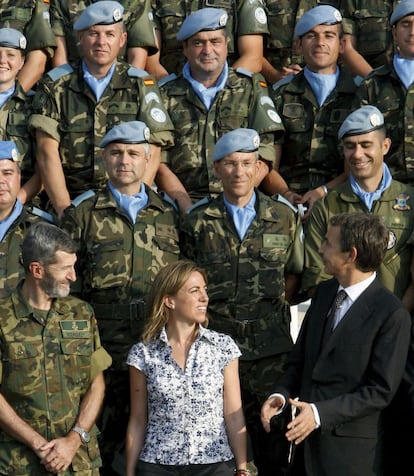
370 188
312 107
30 17
126 233
51 364
139 25
252 262
208 99
74 108
15 218
391 89
246 26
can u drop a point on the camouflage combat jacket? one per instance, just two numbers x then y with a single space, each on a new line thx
118 261
243 102
14 119
368 22
282 16
46 367
310 152
246 17
138 20
66 109
395 207
384 89
11 269
31 17
246 278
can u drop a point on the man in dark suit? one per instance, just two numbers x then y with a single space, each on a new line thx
348 360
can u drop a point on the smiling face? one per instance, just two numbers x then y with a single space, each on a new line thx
9 186
11 62
58 276
190 302
321 47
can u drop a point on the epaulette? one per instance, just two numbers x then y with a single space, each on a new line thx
60 71
245 72
287 79
42 214
201 202
281 199
82 197
167 79
168 199
137 73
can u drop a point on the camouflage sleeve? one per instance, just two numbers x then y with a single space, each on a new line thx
296 252
347 10
101 360
58 17
154 114
315 234
141 27
38 31
252 18
45 116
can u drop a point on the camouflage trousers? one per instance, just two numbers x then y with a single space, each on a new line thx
113 423
270 450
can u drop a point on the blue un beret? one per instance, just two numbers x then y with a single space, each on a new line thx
404 8
133 132
239 140
105 12
320 15
363 120
8 151
206 19
12 38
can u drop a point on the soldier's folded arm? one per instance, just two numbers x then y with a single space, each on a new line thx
169 183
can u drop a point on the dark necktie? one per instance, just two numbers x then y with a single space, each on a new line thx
330 319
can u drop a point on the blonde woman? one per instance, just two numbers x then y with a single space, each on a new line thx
186 413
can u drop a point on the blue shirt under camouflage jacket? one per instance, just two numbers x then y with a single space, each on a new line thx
395 207
310 152
46 367
243 102
66 109
246 278
118 261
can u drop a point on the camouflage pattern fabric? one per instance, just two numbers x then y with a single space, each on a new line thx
118 261
62 349
384 89
138 20
368 21
310 152
67 110
31 17
246 17
11 269
14 126
396 209
246 279
243 102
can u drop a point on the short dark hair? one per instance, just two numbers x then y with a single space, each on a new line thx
41 243
365 232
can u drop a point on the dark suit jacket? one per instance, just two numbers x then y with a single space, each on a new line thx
350 380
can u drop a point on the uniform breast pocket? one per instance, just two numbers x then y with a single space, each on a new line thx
168 246
73 140
76 354
271 271
233 116
108 264
19 361
373 33
295 119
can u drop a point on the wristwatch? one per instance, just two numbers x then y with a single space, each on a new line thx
84 435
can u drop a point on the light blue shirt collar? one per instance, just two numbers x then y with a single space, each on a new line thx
98 86
368 198
322 84
206 95
404 69
7 222
5 95
242 216
130 204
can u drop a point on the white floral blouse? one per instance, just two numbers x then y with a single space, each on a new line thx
185 408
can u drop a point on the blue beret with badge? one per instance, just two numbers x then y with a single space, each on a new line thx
132 132
404 8
8 151
12 38
239 140
363 120
319 15
206 19
105 12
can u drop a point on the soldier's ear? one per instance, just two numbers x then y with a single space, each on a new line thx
36 269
